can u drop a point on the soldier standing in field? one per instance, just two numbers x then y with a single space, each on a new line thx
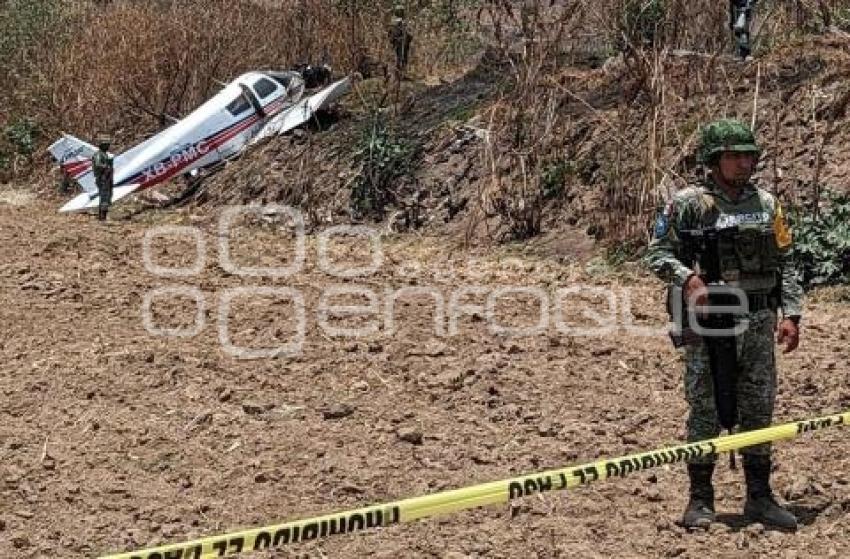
101 163
756 259
401 39
740 22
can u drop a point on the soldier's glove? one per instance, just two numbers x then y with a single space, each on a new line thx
789 334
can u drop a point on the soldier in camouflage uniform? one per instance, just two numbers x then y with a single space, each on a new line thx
400 38
101 163
761 266
740 21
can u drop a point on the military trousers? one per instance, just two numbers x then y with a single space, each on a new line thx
756 384
104 192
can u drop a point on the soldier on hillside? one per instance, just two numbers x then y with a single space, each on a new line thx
754 258
101 163
740 21
401 39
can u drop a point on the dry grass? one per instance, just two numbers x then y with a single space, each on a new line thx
167 56
646 144
125 67
138 63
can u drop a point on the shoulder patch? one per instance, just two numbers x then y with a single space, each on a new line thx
780 228
662 223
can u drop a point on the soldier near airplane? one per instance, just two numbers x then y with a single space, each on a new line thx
254 106
102 168
400 39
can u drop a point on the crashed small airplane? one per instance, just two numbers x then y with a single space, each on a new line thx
252 107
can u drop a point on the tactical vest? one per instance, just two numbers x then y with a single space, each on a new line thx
102 167
747 250
749 258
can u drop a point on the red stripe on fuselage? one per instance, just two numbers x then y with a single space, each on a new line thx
214 142
218 140
77 168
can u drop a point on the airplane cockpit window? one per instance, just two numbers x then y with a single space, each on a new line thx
283 78
264 87
238 105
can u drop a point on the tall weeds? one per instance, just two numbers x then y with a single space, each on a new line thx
128 67
521 147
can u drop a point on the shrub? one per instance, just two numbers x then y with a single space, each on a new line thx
553 177
22 135
383 158
822 243
643 21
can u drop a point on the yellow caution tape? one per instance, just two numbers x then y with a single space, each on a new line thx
454 500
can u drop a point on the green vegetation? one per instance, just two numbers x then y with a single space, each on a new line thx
22 135
22 24
822 244
553 178
383 157
643 21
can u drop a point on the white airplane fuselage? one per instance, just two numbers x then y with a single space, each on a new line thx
216 130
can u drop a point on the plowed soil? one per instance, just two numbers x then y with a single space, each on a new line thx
114 438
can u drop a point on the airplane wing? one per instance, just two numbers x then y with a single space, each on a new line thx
88 200
303 111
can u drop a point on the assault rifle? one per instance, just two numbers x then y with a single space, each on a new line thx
701 251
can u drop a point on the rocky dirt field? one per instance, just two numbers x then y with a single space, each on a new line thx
114 438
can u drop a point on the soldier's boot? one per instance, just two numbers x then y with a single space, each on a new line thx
700 510
761 505
101 214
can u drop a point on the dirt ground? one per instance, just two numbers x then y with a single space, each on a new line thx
113 438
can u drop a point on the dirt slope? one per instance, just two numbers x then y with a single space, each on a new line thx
112 438
608 117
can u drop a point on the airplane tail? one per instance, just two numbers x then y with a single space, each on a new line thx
74 158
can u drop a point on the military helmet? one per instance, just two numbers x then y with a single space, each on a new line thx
725 135
398 9
103 140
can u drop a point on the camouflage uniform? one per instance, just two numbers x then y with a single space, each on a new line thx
101 163
759 262
65 183
400 38
705 205
740 22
